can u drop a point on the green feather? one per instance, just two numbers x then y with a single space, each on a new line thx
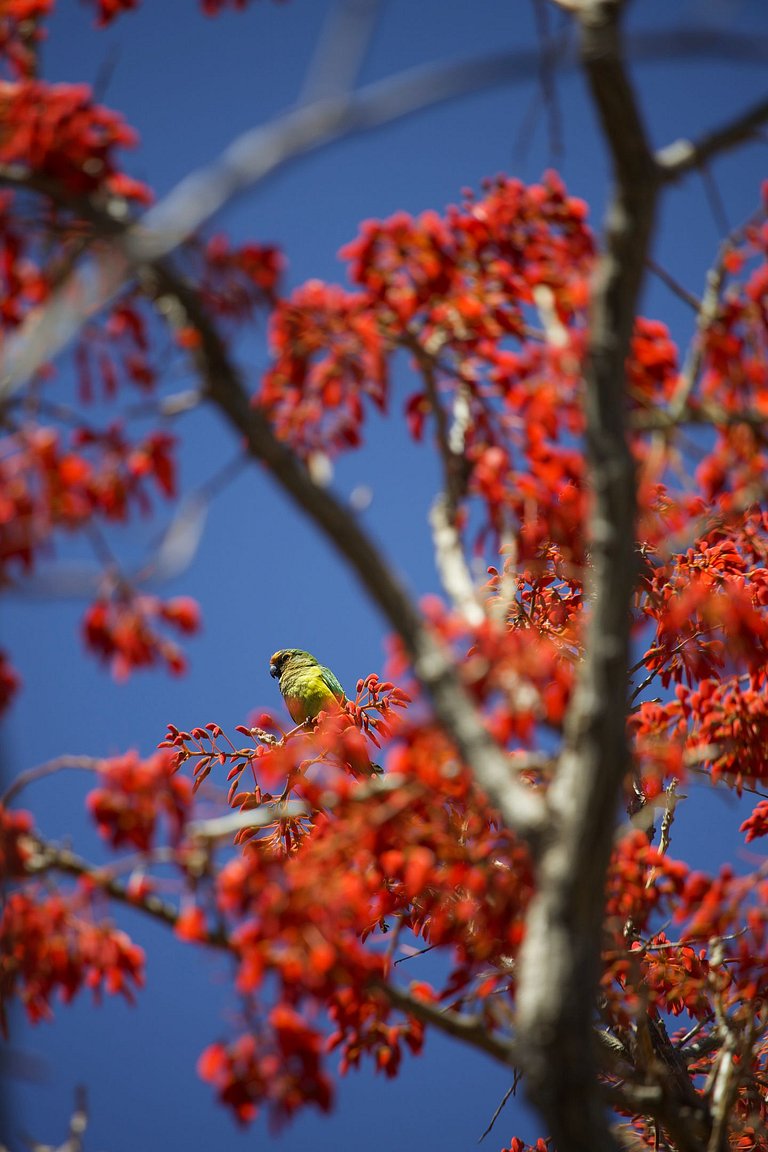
333 684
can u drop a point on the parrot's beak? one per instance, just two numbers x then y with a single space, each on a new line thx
273 671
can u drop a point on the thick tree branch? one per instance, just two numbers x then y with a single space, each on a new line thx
560 958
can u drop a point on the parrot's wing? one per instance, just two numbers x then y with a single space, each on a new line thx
331 682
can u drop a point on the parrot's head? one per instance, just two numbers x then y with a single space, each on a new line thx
296 657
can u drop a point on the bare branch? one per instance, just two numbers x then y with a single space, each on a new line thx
450 436
684 155
50 857
509 1092
342 48
547 66
472 1030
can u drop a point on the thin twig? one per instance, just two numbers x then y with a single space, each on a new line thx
715 201
547 78
676 159
674 285
509 1092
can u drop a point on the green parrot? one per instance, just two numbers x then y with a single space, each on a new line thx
309 688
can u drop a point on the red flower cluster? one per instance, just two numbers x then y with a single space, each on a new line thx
234 281
653 373
125 631
9 682
57 132
329 357
728 722
22 282
134 795
285 1068
16 842
49 944
453 291
518 1145
709 606
117 351
21 33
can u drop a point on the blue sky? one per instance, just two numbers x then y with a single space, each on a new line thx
264 577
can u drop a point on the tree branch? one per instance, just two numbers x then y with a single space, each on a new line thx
684 155
49 768
559 964
50 858
472 1030
450 559
342 48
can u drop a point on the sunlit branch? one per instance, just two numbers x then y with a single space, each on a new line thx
710 303
224 827
673 798
450 434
